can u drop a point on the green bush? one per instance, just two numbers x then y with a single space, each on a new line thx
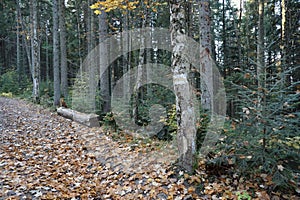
9 82
264 135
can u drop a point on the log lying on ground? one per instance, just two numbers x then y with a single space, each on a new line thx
90 120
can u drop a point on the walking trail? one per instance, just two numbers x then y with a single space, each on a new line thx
45 156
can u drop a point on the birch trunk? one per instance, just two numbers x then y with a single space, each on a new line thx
186 133
35 48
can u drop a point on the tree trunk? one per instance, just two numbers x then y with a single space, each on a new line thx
261 74
283 45
79 53
18 42
205 54
126 61
140 74
92 69
63 49
56 54
90 120
47 56
186 133
103 56
35 48
260 52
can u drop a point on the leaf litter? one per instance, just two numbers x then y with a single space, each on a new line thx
45 156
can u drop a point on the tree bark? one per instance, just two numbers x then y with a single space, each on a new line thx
18 20
92 68
90 120
104 56
35 48
140 73
63 49
261 74
186 133
56 53
205 54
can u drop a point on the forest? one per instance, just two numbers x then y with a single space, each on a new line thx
218 82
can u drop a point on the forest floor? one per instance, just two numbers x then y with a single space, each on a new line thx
45 156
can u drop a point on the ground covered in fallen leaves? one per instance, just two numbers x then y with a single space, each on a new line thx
45 156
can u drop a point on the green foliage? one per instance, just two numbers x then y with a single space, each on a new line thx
264 137
46 93
202 122
109 121
150 95
243 196
201 125
9 82
171 121
80 93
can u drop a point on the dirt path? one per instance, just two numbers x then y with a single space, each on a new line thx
44 156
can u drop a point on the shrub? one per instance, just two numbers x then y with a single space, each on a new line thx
9 82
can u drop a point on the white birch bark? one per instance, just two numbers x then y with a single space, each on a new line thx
186 133
35 48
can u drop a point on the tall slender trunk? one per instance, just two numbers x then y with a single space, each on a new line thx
186 133
283 45
261 73
224 39
18 20
104 56
63 49
92 69
47 54
25 42
238 34
205 54
56 53
126 61
35 48
140 73
78 21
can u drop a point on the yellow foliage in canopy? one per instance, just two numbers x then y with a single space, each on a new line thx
109 5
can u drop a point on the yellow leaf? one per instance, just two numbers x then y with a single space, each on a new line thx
97 12
94 6
296 146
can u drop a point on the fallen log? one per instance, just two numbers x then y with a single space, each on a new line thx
90 120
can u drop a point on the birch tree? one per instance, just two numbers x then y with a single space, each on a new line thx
35 49
186 133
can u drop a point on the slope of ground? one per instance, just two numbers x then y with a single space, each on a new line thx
45 156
